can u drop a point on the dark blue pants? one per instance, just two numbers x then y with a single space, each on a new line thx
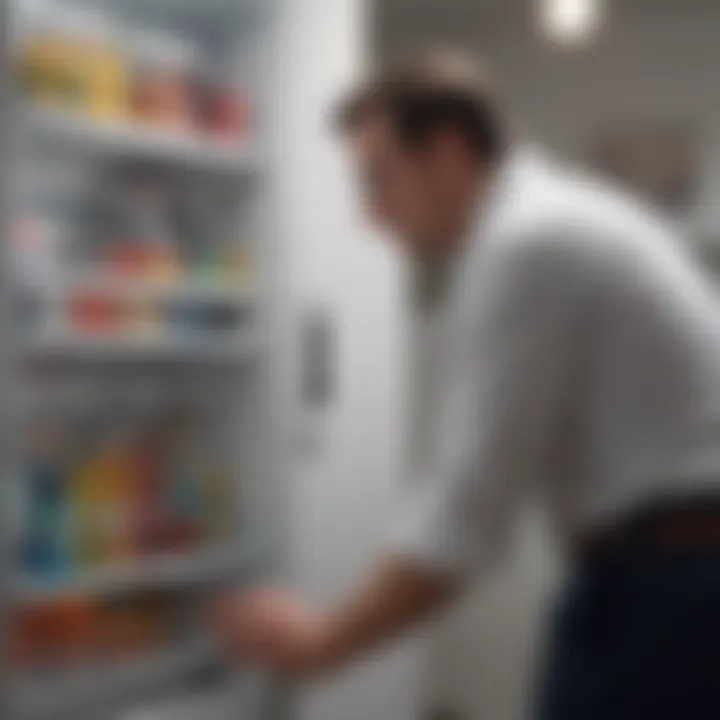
636 636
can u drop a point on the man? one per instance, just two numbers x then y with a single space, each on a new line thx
581 365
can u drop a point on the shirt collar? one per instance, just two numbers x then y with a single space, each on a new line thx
495 210
492 209
521 162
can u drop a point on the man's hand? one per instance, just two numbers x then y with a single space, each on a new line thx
275 630
279 632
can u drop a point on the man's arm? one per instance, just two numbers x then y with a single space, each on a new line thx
501 412
279 631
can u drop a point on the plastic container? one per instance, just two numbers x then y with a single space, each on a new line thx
162 85
107 71
72 60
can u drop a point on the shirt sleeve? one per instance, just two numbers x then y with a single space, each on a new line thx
509 366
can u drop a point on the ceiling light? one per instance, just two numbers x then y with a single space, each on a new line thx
570 22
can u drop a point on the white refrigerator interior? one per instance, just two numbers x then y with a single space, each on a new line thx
142 255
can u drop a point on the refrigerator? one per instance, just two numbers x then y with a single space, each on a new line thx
140 305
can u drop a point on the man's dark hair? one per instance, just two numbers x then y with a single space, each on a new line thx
427 93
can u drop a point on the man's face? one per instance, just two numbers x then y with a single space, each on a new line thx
404 189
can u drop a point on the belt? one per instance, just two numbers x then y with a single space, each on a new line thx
669 526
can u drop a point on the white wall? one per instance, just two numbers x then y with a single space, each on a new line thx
346 463
656 59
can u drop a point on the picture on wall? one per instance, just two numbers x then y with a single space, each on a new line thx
658 161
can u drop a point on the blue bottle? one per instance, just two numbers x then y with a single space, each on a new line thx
46 555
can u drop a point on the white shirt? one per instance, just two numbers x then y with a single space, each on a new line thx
580 362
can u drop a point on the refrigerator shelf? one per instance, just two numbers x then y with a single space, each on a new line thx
171 571
242 701
137 142
201 349
194 291
71 696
